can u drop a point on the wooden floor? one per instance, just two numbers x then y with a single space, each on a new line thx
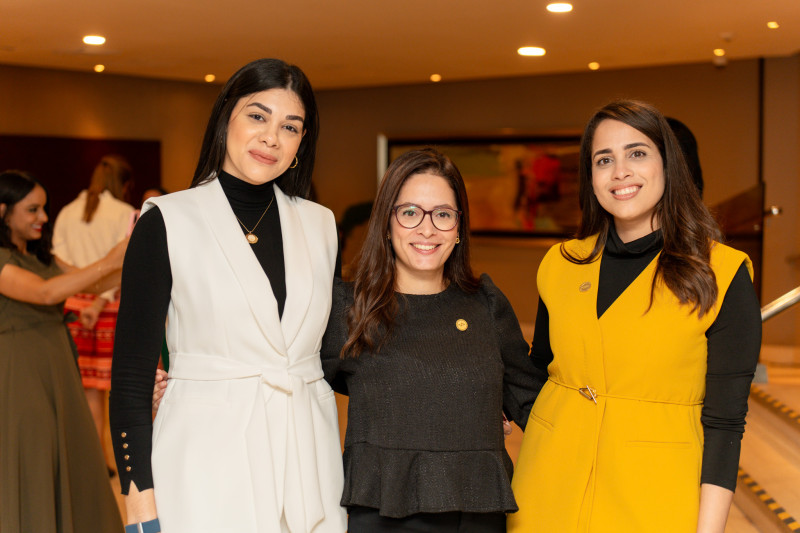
771 444
739 523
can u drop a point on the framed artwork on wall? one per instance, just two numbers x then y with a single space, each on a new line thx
518 186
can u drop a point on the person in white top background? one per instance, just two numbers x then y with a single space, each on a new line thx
85 230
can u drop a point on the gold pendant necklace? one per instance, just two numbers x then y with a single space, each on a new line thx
250 236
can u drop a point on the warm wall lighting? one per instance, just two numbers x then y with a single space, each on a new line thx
773 25
95 40
559 7
99 68
719 52
531 51
210 78
436 78
594 65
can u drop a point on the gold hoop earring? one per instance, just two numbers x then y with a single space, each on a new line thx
458 240
295 162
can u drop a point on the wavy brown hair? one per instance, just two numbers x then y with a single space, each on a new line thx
375 305
688 227
112 172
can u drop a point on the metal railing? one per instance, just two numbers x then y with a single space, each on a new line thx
782 303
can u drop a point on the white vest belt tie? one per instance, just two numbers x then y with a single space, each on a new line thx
302 481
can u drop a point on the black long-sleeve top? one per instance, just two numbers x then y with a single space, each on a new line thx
424 428
145 296
734 342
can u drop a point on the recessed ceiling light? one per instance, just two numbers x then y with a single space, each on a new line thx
99 68
594 65
209 78
436 78
531 51
95 40
559 7
719 52
773 25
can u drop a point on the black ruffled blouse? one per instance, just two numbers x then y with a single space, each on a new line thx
424 431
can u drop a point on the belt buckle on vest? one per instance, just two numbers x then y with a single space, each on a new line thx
589 393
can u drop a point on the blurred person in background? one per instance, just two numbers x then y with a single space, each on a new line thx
52 472
84 231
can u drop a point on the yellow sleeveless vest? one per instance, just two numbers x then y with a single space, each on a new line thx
614 442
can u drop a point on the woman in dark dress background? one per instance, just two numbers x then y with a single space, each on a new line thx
52 473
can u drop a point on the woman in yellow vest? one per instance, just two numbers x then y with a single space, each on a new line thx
649 329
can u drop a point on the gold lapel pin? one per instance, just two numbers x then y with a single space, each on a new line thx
585 286
461 324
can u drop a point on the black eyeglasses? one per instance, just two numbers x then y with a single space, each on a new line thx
410 216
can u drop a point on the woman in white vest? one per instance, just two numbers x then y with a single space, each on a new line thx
241 264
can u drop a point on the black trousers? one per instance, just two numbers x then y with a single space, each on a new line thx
367 520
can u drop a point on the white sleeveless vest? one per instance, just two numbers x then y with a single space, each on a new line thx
246 439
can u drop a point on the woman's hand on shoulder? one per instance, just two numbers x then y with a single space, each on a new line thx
507 429
159 387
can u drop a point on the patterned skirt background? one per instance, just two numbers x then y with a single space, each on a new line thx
95 346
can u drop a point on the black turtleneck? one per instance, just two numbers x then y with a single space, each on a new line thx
622 263
734 342
248 203
146 287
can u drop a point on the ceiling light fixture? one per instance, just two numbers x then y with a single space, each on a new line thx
531 51
719 52
594 65
99 68
559 7
95 40
436 78
209 78
773 25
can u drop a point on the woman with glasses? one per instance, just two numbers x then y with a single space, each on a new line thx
430 357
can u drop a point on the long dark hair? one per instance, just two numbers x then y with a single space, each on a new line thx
14 186
257 76
112 173
375 305
687 226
